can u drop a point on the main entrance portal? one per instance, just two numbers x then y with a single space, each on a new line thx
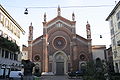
59 68
60 63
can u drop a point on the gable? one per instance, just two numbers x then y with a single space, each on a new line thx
60 19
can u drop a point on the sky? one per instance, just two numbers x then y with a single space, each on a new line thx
93 11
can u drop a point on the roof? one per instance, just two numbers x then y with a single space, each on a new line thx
113 11
80 37
8 15
38 38
98 46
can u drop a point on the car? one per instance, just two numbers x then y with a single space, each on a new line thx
72 74
76 74
16 75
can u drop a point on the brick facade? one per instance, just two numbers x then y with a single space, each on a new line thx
59 45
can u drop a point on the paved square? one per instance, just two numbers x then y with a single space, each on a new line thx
57 78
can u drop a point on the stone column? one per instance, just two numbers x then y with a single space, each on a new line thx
71 56
46 54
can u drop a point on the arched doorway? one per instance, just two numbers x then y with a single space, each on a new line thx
60 63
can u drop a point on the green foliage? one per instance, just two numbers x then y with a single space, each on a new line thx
7 44
94 71
90 68
115 77
89 78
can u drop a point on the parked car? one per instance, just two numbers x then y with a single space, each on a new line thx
16 75
72 74
76 74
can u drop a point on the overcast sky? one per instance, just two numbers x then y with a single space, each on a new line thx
93 11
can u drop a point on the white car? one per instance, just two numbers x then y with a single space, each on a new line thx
16 75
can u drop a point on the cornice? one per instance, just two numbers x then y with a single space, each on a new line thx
8 15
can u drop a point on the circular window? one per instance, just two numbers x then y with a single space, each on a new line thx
82 57
59 42
37 58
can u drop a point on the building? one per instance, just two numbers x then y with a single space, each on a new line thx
98 51
109 55
114 21
24 52
109 59
59 49
10 46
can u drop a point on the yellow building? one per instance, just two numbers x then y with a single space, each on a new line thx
10 46
114 21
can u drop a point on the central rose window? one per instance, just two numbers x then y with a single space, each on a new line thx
59 42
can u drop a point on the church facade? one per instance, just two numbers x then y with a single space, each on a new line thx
59 50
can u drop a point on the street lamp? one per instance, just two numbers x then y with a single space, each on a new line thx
26 11
100 36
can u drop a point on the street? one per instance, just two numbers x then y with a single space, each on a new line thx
54 78
57 78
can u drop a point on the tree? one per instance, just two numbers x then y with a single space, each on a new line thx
7 44
95 70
